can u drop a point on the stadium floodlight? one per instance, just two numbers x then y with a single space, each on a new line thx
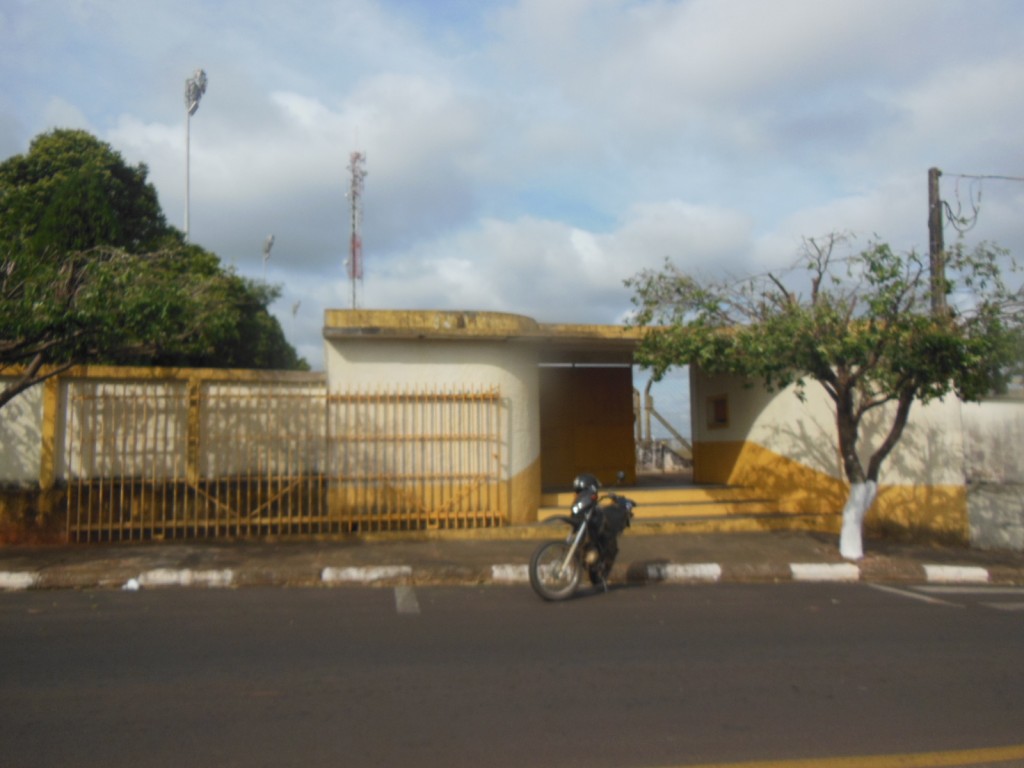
195 87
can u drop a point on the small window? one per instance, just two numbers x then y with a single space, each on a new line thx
718 412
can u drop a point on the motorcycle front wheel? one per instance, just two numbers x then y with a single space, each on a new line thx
547 576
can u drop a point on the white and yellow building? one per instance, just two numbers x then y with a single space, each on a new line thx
445 419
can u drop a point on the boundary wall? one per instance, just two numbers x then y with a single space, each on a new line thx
105 454
955 476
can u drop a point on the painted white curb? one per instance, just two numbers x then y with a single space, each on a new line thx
170 577
824 571
956 574
12 580
671 572
366 575
510 574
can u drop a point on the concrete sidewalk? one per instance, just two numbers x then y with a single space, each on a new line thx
495 557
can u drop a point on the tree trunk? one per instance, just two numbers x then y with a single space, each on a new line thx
29 377
863 486
862 491
851 538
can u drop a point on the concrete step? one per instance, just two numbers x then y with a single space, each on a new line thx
825 523
740 523
689 494
679 502
703 509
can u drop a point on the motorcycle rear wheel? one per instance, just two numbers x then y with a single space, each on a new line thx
544 571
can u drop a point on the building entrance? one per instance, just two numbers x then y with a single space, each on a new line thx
586 424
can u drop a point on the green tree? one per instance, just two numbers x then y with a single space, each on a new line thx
90 271
860 326
71 192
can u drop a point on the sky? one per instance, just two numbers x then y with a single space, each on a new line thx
528 156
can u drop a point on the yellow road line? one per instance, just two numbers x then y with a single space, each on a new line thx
919 760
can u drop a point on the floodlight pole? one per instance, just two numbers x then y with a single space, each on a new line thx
195 87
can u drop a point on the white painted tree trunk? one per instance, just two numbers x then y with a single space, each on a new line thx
851 539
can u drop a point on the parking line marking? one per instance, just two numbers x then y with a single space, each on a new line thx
914 595
1005 606
405 601
951 759
981 590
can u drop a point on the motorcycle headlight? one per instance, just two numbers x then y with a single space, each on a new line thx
579 507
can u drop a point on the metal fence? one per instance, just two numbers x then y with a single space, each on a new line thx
417 459
193 459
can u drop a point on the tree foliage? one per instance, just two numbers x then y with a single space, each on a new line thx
71 192
860 325
90 271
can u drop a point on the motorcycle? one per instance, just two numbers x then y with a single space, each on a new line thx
556 567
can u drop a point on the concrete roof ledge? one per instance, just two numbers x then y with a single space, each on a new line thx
610 332
346 323
559 343
405 323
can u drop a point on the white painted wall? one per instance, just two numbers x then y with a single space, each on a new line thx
122 428
995 513
930 452
994 440
994 456
366 365
21 437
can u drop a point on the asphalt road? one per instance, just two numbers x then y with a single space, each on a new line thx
644 676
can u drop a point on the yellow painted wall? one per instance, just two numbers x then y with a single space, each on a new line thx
788 446
524 495
937 512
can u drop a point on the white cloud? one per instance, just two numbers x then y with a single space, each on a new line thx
63 114
968 110
527 156
693 236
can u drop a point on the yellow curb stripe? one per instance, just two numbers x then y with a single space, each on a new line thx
920 760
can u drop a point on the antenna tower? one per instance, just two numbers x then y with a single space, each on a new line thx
355 196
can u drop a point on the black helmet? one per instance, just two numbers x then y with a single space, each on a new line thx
584 482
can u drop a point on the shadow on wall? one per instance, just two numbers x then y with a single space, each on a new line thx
26 513
934 512
996 515
21 423
993 436
799 489
921 513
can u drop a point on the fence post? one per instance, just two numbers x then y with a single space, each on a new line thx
194 429
48 434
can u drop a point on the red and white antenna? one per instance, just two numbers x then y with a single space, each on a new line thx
355 196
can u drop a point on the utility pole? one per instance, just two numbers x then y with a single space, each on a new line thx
936 247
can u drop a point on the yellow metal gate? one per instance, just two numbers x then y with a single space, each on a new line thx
192 459
409 460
